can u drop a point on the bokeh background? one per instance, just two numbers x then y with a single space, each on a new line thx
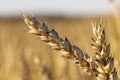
24 57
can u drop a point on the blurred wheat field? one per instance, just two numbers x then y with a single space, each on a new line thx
24 57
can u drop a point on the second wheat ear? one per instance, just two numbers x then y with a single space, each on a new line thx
101 66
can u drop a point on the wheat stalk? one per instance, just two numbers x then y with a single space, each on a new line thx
100 66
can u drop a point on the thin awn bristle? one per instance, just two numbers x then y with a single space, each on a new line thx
101 65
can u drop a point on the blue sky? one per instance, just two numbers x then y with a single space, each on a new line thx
54 7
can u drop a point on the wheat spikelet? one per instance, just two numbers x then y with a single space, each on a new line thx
104 61
100 66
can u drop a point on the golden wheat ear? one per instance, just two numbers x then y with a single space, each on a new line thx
100 66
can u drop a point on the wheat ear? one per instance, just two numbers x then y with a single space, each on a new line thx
100 66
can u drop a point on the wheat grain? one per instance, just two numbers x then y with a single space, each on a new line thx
100 66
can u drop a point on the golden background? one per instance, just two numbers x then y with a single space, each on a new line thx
24 57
